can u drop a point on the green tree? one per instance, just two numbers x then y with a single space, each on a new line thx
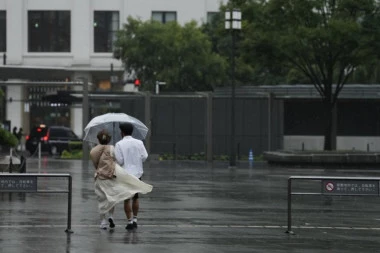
245 71
325 40
368 73
179 55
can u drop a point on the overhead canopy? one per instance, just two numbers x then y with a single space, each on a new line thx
33 72
62 97
49 73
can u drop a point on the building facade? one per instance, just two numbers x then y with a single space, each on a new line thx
75 38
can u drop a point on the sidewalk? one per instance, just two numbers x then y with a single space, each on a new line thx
192 208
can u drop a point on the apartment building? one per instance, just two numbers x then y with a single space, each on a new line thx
70 39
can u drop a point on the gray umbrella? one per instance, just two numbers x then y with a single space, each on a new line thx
111 122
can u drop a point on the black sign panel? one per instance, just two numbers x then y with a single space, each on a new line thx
350 187
18 184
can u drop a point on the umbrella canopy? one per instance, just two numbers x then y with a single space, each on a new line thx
111 122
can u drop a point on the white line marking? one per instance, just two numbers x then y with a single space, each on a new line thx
195 226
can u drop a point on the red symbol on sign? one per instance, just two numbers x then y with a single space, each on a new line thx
329 187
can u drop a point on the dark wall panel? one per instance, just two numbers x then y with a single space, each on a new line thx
354 118
178 124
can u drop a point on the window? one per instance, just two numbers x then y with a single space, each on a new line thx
106 25
164 16
3 31
57 132
211 16
49 31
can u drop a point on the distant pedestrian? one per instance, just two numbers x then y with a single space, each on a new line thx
130 153
19 134
112 184
14 131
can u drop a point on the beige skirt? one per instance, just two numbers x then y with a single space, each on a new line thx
109 192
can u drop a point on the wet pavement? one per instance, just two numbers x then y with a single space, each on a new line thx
194 207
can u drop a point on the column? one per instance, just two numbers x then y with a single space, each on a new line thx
15 32
15 105
81 30
76 113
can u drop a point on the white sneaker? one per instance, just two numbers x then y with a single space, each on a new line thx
104 224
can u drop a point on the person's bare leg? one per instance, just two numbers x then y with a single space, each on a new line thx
111 211
127 209
128 213
135 209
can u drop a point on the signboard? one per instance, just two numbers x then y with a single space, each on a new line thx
18 184
350 187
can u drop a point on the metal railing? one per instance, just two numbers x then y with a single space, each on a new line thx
301 91
336 186
28 183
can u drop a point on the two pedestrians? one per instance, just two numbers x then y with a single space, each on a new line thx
112 183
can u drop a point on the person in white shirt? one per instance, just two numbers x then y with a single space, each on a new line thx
130 153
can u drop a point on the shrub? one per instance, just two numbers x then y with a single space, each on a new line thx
74 154
7 138
75 145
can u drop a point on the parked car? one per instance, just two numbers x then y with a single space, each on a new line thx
54 139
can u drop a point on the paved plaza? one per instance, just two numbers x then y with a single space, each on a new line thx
194 207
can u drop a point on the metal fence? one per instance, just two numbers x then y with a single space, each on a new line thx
333 186
29 183
199 123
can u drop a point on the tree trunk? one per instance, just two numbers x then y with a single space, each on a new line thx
330 125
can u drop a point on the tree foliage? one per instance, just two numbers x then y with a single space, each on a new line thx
324 40
248 70
181 56
7 138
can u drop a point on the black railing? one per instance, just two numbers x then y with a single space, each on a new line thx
28 183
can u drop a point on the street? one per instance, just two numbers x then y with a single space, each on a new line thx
194 207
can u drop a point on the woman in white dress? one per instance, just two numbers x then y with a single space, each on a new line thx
112 183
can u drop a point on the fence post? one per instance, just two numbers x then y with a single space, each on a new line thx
23 164
289 231
70 194
175 151
39 156
209 132
10 162
148 123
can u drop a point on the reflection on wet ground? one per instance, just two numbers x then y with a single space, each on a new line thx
194 207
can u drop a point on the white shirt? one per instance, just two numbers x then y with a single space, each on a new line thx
130 153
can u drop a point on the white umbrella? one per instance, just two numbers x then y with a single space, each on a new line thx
111 122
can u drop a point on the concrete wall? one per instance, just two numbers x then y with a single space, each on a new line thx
362 143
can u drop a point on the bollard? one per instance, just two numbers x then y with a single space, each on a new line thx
10 161
174 151
10 165
22 164
250 157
